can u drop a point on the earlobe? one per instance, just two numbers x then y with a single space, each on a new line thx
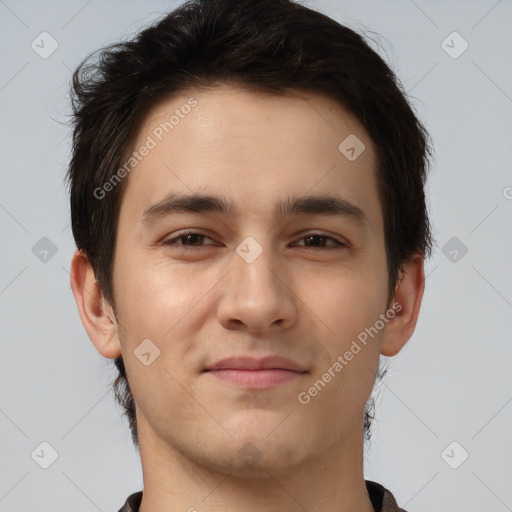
408 294
96 314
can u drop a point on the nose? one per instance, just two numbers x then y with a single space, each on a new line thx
258 295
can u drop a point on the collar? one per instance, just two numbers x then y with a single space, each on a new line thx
382 500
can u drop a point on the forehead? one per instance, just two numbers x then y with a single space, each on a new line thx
251 147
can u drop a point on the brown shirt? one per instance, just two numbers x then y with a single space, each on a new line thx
382 500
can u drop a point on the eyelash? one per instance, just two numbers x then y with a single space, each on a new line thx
170 242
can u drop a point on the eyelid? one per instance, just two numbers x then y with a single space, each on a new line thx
177 236
302 235
338 243
299 237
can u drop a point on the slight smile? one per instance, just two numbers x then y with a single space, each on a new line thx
256 373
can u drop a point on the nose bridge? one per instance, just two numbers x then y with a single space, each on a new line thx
255 265
255 295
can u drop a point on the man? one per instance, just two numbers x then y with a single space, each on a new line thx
247 200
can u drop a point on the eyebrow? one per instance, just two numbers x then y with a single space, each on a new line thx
327 205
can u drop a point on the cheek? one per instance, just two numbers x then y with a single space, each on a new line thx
145 298
153 303
167 304
347 302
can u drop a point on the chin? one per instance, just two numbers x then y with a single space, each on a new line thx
266 444
256 458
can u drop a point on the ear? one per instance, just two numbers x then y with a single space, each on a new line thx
96 313
408 295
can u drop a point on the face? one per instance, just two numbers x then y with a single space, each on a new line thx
286 291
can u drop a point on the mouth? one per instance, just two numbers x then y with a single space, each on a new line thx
256 373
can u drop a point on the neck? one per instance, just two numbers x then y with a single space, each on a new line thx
173 482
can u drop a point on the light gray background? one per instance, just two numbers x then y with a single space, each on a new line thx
452 381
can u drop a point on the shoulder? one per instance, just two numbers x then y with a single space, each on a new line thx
382 499
132 503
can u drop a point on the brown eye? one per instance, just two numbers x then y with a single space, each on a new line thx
319 240
190 240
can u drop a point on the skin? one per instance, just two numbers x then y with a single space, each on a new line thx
304 303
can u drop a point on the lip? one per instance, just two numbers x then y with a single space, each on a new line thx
256 363
256 373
